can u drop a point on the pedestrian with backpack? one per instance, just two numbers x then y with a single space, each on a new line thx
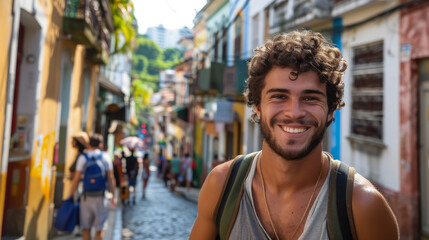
291 189
97 170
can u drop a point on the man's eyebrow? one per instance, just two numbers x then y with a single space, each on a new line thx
307 91
278 90
314 91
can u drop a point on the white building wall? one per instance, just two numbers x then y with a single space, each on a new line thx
251 134
256 8
236 6
214 24
383 168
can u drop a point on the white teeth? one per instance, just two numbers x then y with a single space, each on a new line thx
294 130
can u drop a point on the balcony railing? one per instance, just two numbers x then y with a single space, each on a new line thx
234 78
100 53
346 6
304 13
210 80
81 21
89 22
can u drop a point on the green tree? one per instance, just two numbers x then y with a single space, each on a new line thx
148 60
156 66
173 54
124 23
140 64
148 48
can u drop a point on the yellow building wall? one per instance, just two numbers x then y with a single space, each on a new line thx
39 215
75 112
199 134
90 126
6 20
42 200
238 108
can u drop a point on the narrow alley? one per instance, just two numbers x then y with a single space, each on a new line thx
163 214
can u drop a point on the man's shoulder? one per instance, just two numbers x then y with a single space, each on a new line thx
372 213
364 191
218 175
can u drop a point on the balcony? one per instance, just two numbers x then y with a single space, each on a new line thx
81 21
99 54
90 22
210 79
302 13
347 6
234 78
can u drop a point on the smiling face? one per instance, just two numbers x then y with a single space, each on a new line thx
293 113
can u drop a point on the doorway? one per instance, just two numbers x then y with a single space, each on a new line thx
424 143
64 109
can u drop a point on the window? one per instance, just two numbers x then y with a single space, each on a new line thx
255 31
367 92
224 44
267 24
237 41
216 43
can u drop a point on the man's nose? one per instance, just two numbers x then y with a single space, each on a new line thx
294 109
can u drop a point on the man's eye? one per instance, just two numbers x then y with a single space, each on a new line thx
310 99
278 96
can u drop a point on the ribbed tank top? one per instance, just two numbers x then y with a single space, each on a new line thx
248 226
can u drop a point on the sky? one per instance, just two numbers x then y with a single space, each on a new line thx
172 14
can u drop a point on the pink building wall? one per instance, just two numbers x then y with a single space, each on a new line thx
414 40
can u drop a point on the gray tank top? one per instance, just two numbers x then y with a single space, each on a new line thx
247 225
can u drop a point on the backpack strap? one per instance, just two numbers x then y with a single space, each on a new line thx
229 200
340 221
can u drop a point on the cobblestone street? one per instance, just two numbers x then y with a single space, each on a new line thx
162 215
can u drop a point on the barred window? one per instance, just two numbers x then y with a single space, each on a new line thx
367 92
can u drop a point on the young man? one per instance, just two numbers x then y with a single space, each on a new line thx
94 207
294 86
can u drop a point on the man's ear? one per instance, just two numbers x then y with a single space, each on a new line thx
257 110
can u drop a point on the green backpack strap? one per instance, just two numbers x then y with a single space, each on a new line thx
340 215
229 200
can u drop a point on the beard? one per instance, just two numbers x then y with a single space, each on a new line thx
267 133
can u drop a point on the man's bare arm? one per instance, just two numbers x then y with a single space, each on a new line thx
74 183
111 182
205 226
372 214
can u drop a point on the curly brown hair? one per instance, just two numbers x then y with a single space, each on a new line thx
302 51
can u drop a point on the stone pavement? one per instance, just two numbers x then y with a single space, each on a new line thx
114 222
162 214
112 232
191 194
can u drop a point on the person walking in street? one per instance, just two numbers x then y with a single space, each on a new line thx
160 163
117 168
80 141
175 171
188 171
145 173
132 168
97 170
294 86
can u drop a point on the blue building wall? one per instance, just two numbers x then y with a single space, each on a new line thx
336 126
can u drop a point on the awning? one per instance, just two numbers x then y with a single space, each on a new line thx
111 87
